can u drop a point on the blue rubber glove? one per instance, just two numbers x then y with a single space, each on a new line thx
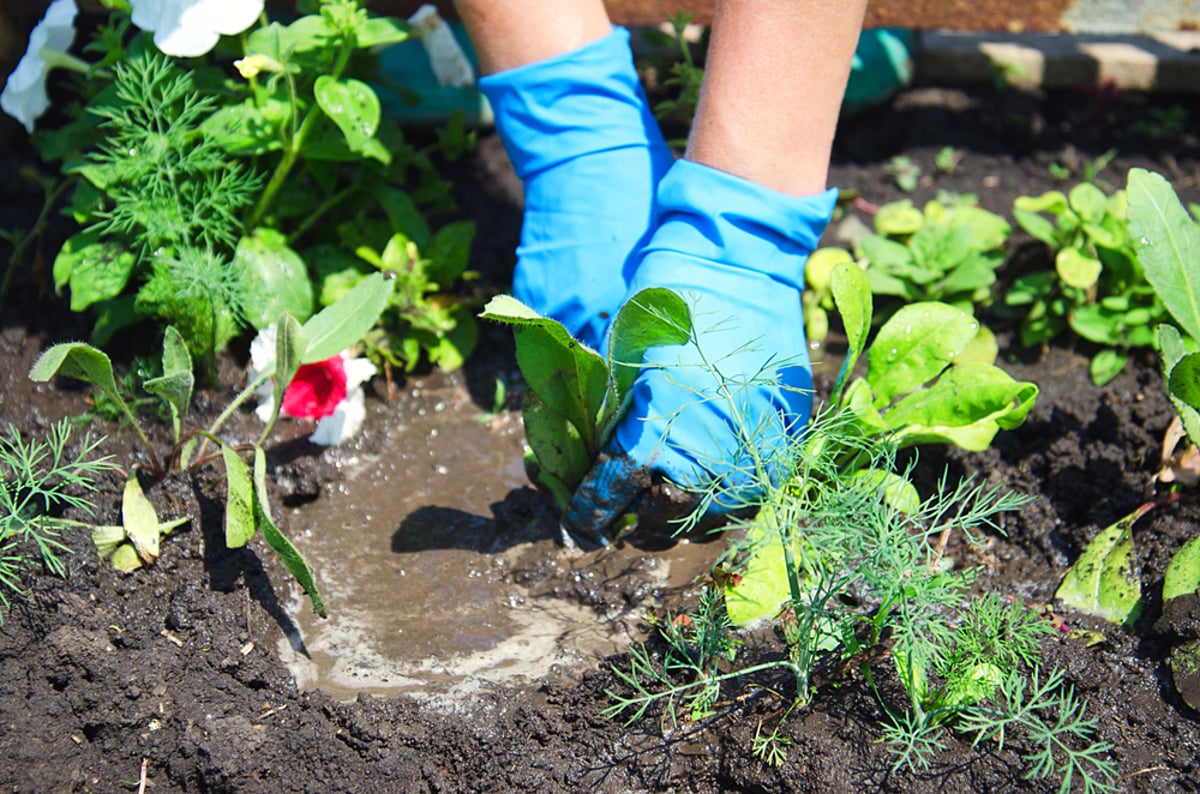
582 139
736 252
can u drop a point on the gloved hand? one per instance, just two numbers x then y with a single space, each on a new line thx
581 136
736 252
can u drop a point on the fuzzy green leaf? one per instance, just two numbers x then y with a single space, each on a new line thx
917 343
290 346
1101 582
1167 245
177 381
279 543
239 500
80 361
340 325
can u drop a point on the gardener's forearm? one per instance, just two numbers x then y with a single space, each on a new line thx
512 33
776 74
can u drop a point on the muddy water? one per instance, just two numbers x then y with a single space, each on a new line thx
442 579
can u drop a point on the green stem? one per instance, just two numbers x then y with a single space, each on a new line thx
292 151
244 395
316 214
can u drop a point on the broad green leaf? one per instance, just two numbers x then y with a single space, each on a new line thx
95 269
1183 572
139 519
898 219
352 105
852 296
1036 226
914 345
989 231
1106 365
449 251
1167 245
1172 348
967 406
177 381
1088 202
558 450
239 500
275 275
570 378
1102 582
543 479
652 318
983 349
1184 382
1077 269
1052 201
340 325
381 31
248 129
279 543
762 586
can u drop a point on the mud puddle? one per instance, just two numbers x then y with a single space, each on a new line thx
443 578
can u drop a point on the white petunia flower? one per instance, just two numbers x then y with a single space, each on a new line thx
187 28
24 96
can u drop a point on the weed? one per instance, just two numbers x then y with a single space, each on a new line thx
904 171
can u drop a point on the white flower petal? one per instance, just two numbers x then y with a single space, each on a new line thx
187 28
24 96
343 423
263 409
358 372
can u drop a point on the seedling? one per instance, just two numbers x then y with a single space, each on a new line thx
39 478
1097 289
575 396
947 159
905 171
947 252
325 334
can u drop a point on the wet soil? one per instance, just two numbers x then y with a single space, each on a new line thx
189 669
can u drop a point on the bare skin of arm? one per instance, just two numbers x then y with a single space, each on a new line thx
774 82
512 33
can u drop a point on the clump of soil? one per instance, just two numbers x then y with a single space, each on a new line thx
176 666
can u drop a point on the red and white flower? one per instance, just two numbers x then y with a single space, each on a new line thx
328 391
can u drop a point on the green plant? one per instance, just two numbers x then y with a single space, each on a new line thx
575 396
1097 289
1164 122
686 74
39 478
948 252
247 509
905 171
839 553
213 204
947 159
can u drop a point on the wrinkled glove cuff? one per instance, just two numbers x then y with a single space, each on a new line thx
724 219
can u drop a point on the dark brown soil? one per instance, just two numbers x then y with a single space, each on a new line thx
175 666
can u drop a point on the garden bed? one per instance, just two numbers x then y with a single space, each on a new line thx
177 667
